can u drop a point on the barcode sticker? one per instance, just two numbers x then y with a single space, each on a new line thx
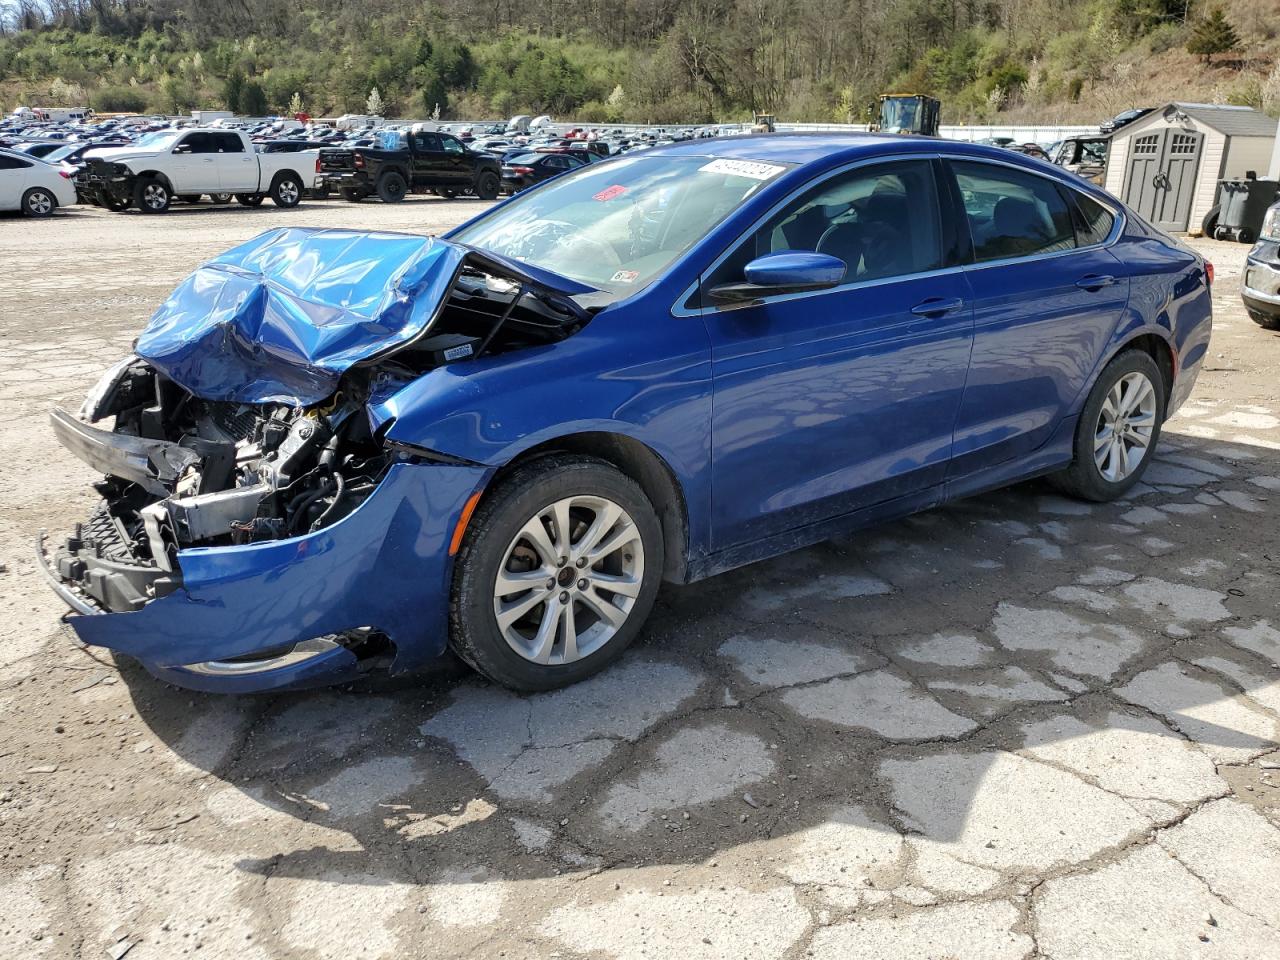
743 168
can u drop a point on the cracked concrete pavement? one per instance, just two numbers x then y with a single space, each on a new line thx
1019 726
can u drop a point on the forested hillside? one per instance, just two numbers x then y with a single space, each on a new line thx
654 61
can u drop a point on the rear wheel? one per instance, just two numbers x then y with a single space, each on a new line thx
220 197
1118 429
558 571
250 199
151 195
1209 225
39 202
286 190
487 185
351 195
392 188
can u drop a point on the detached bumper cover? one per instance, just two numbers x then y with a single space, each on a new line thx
385 566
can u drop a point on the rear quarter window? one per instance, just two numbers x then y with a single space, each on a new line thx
1093 220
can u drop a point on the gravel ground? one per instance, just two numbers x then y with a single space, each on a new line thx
1019 726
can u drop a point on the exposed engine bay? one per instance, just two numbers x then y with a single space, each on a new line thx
184 472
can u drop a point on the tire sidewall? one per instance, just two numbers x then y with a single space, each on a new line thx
488 179
1087 480
26 203
392 188
140 200
474 630
279 184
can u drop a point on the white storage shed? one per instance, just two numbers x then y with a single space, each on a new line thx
1167 165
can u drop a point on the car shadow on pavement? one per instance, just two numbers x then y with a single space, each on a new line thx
963 702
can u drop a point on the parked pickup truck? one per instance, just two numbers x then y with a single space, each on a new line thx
417 161
183 164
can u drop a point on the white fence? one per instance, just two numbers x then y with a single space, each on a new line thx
1020 134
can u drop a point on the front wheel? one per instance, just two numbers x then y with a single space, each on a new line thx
286 191
1118 429
39 202
557 573
487 185
250 199
151 196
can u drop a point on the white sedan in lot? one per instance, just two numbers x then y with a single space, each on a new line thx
33 186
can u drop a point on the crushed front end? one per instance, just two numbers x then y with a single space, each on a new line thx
241 547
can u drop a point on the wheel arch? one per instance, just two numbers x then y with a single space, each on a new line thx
639 462
156 175
1159 350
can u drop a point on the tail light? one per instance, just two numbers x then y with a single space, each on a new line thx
358 162
319 169
523 171
1208 272
64 174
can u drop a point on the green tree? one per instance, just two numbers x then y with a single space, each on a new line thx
233 89
374 105
295 104
1213 34
253 100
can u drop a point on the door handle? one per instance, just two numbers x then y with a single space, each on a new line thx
1095 281
937 307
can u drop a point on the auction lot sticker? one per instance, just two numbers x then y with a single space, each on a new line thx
608 193
743 168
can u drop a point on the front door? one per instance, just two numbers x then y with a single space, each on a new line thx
1161 176
192 167
832 401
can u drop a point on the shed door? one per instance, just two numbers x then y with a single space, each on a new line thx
1161 179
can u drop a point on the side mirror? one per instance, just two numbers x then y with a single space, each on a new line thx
182 148
786 271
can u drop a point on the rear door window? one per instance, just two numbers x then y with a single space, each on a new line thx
1012 213
1093 220
227 143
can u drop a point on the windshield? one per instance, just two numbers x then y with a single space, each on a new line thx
160 140
62 153
619 224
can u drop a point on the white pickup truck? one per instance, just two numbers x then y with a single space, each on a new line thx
184 164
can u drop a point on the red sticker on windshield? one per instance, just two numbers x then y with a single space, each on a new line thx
608 193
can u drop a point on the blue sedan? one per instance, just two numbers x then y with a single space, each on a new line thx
336 451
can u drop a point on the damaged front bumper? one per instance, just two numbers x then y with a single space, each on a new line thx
277 614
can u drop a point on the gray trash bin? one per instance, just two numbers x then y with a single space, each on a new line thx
1242 205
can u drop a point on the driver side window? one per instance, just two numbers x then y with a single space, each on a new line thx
881 220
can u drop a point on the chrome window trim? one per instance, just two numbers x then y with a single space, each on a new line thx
678 309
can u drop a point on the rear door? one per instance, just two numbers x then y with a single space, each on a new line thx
457 162
1047 296
237 167
833 401
13 181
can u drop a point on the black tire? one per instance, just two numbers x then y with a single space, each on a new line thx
39 203
1210 222
220 197
1083 478
151 195
352 195
447 193
286 190
392 187
487 185
528 490
318 193
1265 320
250 199
116 206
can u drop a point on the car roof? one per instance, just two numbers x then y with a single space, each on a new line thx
804 148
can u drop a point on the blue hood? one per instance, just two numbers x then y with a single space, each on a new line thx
279 318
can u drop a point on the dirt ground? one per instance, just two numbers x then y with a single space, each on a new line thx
1020 726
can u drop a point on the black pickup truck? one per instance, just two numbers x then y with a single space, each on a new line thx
414 162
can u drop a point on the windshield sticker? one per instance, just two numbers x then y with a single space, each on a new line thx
624 276
743 168
608 193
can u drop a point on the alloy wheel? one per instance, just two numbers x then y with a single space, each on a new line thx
288 192
155 196
1125 427
40 203
569 580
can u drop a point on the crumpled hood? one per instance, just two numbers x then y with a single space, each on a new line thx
279 319
118 154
